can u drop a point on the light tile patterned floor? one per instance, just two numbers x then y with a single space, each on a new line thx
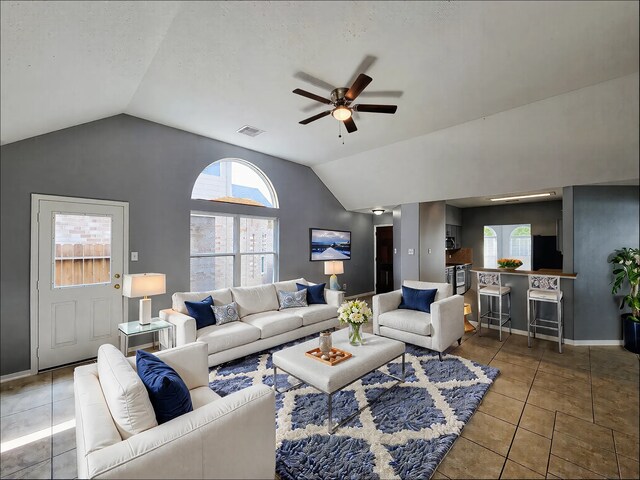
547 415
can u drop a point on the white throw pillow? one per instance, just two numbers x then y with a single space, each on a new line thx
124 392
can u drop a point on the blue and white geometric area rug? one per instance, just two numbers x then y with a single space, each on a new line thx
404 434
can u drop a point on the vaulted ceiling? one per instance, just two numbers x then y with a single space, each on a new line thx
212 67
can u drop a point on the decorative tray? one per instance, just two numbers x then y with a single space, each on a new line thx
336 356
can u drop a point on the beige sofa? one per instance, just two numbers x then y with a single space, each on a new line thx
262 325
117 435
436 330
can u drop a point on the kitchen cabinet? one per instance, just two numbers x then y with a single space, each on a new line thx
454 231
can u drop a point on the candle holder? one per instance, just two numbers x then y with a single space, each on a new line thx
325 344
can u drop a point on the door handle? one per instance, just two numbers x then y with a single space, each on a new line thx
117 275
116 286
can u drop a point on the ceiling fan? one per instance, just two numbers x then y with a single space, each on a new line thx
341 99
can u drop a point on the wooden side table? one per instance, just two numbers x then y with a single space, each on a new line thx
467 325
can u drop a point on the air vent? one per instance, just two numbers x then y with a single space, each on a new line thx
250 131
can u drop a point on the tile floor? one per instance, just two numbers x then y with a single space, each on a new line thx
547 415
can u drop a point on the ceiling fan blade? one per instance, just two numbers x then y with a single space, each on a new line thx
315 117
312 96
375 108
364 67
350 125
358 86
383 93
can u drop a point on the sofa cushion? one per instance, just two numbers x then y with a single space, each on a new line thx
261 298
315 313
415 299
411 321
292 299
124 393
229 335
201 312
202 396
167 391
273 323
226 313
220 297
289 285
315 293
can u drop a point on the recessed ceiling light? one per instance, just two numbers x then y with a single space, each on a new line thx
533 195
378 211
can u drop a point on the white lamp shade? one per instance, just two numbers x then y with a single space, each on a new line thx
143 284
334 267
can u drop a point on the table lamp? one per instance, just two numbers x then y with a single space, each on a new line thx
333 268
143 285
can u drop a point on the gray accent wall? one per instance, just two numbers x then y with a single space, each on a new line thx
153 167
432 246
605 218
410 240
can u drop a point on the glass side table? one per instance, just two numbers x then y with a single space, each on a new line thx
131 329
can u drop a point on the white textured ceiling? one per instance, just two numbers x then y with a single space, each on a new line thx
212 67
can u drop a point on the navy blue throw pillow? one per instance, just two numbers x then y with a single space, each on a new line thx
414 299
168 393
315 293
202 312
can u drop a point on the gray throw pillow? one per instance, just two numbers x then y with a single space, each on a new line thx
292 299
225 313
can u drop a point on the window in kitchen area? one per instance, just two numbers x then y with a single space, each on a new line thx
512 241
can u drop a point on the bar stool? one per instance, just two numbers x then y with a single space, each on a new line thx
544 288
490 286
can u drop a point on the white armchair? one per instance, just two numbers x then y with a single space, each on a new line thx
229 437
435 331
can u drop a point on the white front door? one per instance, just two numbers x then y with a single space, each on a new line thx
79 266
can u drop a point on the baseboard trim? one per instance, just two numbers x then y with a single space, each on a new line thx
553 338
365 294
15 376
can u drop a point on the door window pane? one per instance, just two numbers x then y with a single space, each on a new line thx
256 269
211 234
82 250
256 234
211 273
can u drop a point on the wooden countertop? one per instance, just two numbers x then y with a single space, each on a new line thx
549 272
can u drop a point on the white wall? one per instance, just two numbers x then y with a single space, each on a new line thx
586 136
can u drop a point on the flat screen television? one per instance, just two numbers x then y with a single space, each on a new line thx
329 245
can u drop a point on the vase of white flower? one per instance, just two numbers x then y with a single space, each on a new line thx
355 313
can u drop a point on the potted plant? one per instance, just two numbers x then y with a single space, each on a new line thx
626 268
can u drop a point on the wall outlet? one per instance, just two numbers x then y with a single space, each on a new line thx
395 251
134 256
429 250
411 251
344 287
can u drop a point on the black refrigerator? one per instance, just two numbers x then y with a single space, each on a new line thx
544 253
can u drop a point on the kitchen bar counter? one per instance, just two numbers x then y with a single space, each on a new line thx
549 272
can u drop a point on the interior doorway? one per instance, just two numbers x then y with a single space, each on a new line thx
383 240
78 252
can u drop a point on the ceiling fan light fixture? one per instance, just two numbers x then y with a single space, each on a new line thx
341 113
378 211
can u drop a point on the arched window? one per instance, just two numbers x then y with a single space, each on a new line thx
490 248
520 245
232 180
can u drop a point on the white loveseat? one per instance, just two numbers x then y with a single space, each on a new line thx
436 330
117 435
262 325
